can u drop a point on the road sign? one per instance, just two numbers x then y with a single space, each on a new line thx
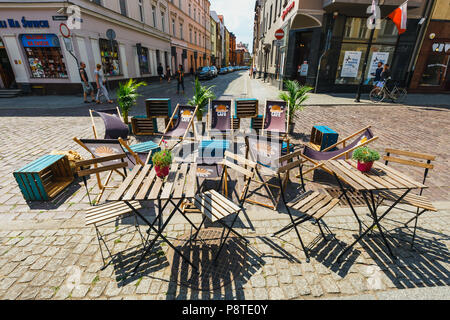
64 29
110 34
68 44
279 34
278 43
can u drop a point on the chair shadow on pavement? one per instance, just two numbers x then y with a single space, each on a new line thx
224 279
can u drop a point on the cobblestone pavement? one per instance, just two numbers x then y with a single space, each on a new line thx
46 252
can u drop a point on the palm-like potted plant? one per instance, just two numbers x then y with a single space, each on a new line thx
202 94
162 161
127 95
295 95
365 157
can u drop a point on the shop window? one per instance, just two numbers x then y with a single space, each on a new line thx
435 70
110 57
143 60
44 55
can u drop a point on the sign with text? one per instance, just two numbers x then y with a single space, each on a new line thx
350 65
40 40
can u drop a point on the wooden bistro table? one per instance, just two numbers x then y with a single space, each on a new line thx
380 177
142 184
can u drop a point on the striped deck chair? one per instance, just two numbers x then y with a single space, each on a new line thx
180 122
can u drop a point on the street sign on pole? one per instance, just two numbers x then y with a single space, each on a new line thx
64 29
110 34
279 34
278 43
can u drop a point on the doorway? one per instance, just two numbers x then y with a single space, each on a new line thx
302 56
6 72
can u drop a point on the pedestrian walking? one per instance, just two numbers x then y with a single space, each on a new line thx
87 86
168 74
254 72
180 78
100 81
377 74
160 72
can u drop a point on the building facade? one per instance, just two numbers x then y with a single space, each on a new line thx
226 51
34 53
326 42
232 49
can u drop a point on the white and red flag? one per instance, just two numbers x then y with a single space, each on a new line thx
399 16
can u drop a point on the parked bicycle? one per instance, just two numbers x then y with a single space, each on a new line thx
382 92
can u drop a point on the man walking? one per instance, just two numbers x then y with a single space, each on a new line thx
180 78
87 87
168 74
101 89
160 72
254 72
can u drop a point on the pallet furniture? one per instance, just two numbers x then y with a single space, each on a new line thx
413 159
143 126
246 108
379 179
236 123
158 108
105 214
322 137
257 123
44 178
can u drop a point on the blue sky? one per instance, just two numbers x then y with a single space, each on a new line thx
238 16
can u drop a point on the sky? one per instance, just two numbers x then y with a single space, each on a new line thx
238 16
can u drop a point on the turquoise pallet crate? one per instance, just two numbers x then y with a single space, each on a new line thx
145 148
322 137
44 178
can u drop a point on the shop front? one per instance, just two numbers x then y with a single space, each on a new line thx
7 79
432 71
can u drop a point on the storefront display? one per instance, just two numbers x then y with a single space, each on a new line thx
109 51
143 60
44 55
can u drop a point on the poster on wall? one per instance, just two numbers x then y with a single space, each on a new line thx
382 57
350 65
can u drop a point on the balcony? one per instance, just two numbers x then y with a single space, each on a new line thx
359 7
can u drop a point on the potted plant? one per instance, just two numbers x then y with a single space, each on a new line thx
295 95
162 160
202 94
127 96
365 157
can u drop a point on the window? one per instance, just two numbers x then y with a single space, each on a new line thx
195 14
141 11
279 9
123 7
179 4
270 19
436 68
110 57
181 31
143 60
189 9
163 26
275 12
195 35
190 35
173 27
154 16
44 61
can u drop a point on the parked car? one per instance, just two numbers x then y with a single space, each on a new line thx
230 69
204 73
214 70
223 70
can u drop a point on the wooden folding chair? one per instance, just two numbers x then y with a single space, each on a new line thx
267 153
313 205
112 161
113 128
422 203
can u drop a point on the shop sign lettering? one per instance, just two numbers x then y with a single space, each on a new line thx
24 23
288 9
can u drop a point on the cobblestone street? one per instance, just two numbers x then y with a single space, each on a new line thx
47 252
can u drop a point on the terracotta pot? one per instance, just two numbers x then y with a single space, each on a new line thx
364 166
162 172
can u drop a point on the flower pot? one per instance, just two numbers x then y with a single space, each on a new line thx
162 172
364 166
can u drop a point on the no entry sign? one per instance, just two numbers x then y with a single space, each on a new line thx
279 34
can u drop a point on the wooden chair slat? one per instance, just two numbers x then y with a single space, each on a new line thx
82 173
211 213
312 202
304 201
319 205
410 199
88 162
120 191
238 168
411 154
409 162
222 201
399 176
240 159
301 197
322 212
106 212
136 183
105 207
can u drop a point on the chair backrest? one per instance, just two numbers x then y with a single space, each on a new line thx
220 111
114 126
415 161
275 116
100 148
239 164
346 152
184 116
158 108
265 150
107 163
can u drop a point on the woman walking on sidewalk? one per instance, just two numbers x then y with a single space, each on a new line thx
101 89
168 74
180 78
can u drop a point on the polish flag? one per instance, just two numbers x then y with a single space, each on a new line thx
399 17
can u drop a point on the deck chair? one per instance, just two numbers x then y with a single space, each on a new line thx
108 163
180 122
313 205
267 153
101 148
219 121
316 157
276 118
422 203
114 125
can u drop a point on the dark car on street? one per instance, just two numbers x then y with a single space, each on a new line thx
214 71
204 73
223 70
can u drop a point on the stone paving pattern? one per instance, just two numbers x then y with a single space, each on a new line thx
46 252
